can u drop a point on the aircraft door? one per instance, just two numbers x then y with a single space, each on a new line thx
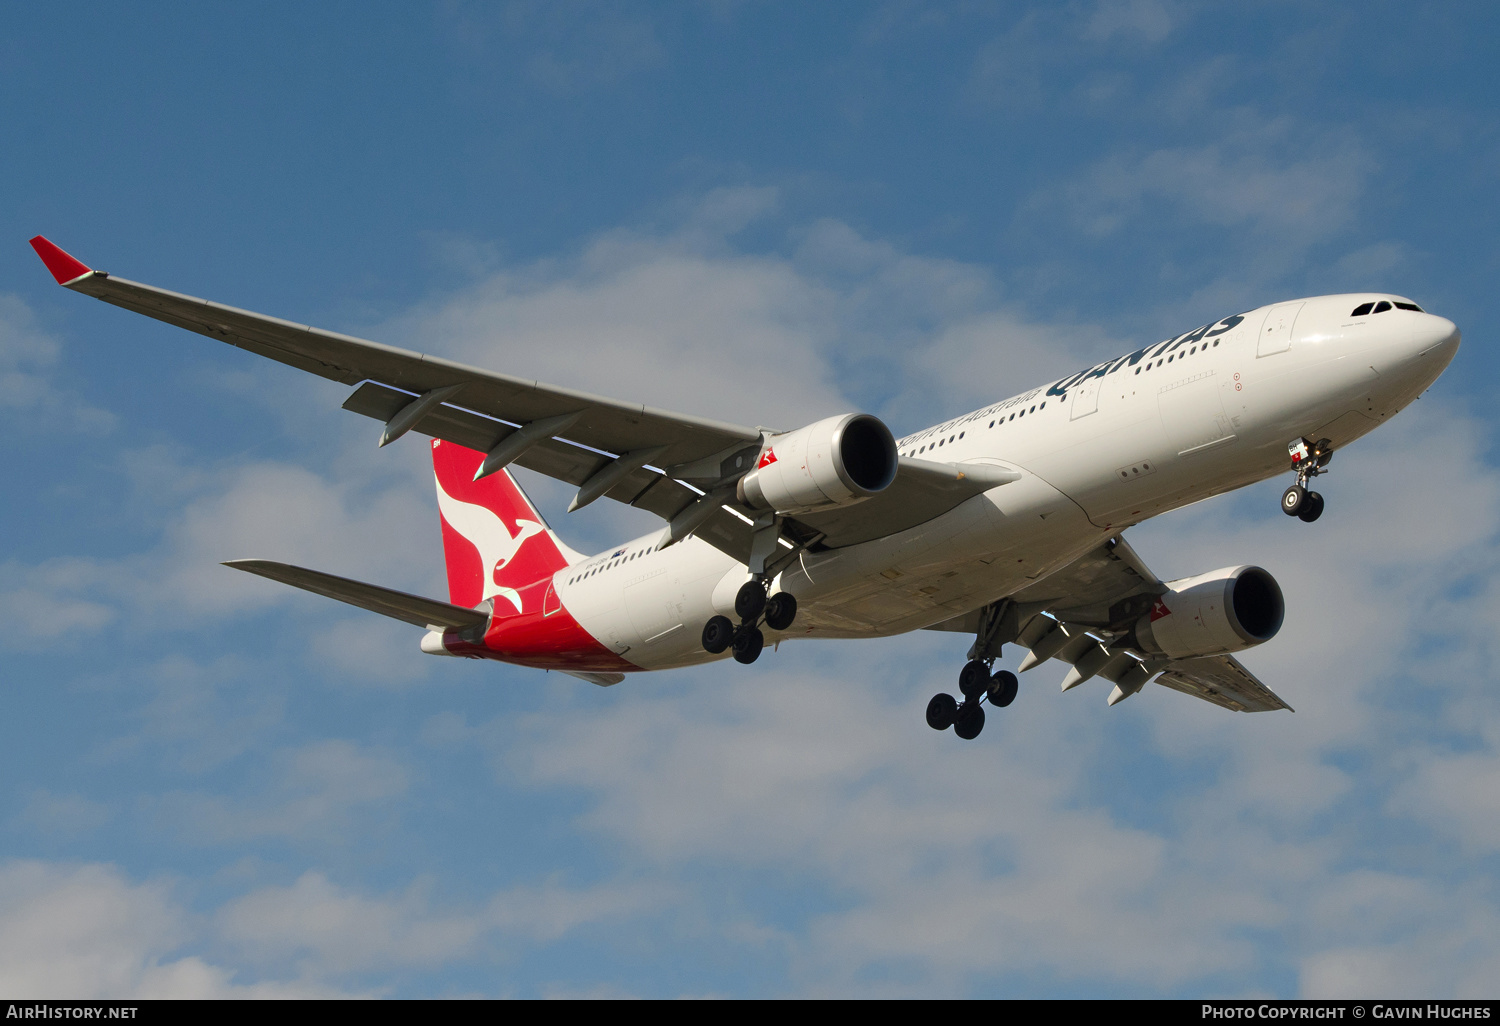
1085 398
1276 332
654 605
1193 413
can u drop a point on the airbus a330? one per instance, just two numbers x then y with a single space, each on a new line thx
1005 524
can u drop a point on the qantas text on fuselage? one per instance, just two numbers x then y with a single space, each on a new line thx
1004 524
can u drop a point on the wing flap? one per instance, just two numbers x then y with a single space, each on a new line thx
422 612
645 489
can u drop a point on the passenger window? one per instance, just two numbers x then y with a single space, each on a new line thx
1033 409
1362 309
1382 306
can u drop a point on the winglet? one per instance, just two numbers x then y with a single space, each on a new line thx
65 268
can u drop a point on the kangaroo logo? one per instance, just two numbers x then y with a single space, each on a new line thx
484 530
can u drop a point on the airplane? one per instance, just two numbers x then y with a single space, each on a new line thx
1005 524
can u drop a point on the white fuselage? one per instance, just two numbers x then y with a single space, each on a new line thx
1151 431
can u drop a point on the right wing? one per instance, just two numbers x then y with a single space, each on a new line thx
606 447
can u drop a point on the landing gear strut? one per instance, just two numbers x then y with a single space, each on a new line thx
1309 460
753 603
753 607
976 682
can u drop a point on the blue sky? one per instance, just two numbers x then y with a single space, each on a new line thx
767 213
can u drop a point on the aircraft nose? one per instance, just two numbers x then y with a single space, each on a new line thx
1435 336
1434 340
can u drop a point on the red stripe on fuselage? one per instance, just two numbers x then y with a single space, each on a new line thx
546 642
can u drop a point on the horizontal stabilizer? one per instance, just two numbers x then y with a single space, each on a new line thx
423 612
604 680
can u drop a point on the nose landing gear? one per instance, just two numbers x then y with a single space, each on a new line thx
1309 460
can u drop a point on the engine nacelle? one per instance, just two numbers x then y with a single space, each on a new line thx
1222 611
832 463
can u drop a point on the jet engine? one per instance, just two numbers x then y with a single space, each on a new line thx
1220 611
834 462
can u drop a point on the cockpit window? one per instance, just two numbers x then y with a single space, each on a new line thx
1362 309
1410 306
1382 306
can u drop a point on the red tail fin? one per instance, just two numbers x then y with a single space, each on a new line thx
494 540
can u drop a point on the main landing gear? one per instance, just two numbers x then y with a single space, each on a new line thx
1309 460
753 607
977 684
975 681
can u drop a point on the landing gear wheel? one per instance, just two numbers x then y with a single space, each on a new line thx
973 679
748 642
941 712
718 634
1293 499
781 610
1312 509
749 601
1003 688
970 721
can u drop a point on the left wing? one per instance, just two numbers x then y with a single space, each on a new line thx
1084 615
1223 681
674 465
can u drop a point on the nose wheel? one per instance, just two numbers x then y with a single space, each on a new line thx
753 607
1309 459
1298 502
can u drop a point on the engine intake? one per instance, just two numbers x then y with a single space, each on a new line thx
835 462
1222 611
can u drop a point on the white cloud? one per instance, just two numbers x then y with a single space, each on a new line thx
28 360
87 932
62 815
1263 179
326 930
1146 20
316 790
